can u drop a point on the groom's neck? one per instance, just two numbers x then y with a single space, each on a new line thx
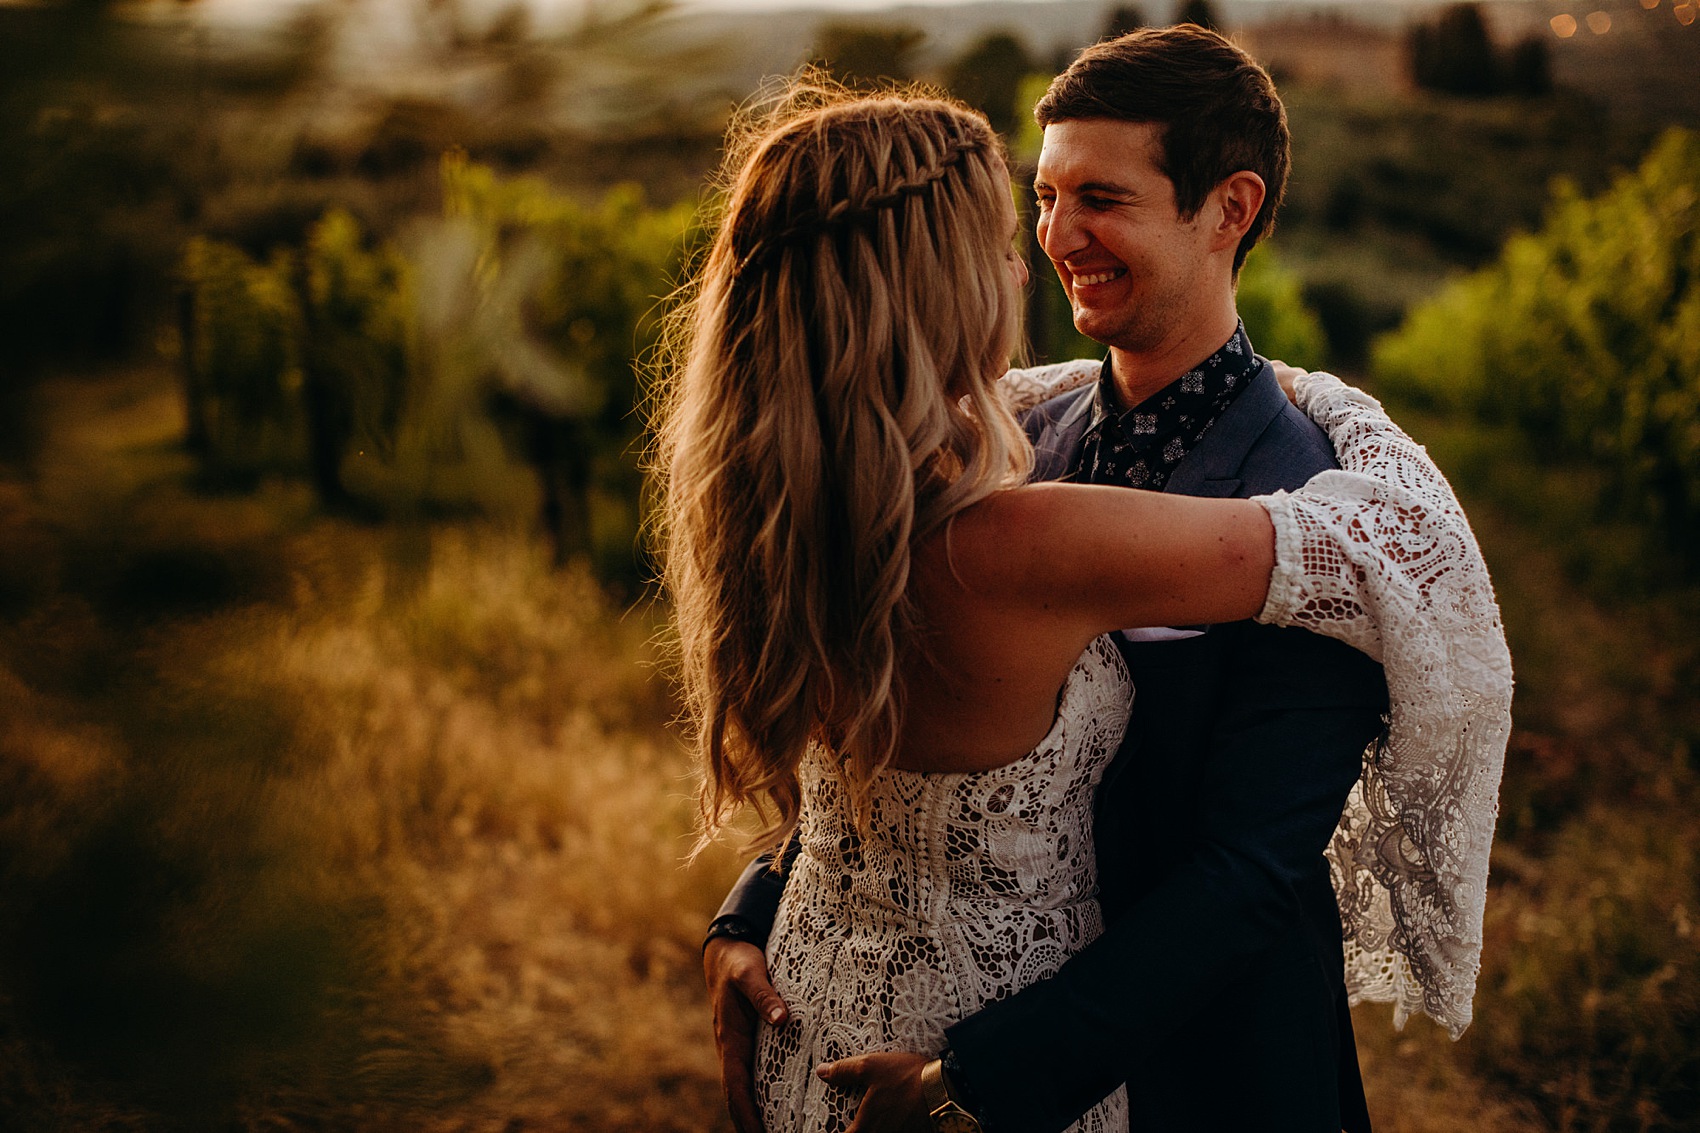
1141 373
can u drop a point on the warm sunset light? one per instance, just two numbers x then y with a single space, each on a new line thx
395 393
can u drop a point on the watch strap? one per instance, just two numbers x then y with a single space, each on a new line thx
733 927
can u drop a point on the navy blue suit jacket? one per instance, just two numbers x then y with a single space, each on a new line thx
1216 992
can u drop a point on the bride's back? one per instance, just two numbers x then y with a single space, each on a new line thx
829 405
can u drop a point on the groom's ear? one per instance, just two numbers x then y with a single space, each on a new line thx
1237 201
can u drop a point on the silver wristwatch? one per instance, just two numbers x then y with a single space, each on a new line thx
945 1110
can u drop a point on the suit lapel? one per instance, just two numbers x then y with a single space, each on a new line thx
1212 468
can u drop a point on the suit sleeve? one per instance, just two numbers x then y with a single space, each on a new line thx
754 897
1282 755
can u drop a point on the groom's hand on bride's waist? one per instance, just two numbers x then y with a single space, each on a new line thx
738 990
895 1101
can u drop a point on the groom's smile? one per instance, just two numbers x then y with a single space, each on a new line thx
1082 281
1132 266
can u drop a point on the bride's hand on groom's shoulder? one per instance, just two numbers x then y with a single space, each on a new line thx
1286 375
894 1102
738 988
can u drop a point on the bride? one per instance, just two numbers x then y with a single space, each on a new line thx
892 646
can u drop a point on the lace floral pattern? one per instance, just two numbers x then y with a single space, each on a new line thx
1022 389
1379 554
963 889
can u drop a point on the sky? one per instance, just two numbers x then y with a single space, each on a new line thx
870 5
263 11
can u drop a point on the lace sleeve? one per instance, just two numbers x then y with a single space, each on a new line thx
1380 555
1022 389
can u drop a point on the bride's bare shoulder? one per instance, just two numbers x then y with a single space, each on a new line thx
1005 542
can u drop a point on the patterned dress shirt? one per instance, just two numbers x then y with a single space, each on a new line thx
1140 447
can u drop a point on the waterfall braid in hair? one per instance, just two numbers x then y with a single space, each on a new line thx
828 401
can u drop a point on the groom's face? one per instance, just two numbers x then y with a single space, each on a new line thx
1134 270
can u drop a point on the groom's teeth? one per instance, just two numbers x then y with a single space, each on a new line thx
1101 277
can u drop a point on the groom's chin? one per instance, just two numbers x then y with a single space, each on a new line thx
1095 323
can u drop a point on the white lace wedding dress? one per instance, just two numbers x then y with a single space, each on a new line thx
967 887
964 888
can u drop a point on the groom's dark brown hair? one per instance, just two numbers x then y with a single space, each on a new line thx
1218 109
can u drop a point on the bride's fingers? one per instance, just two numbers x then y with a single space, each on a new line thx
1286 375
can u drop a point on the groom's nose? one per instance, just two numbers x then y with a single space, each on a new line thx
1060 233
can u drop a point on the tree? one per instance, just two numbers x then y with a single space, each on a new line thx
105 143
1276 315
1200 12
1528 68
865 54
1454 54
1586 337
988 76
1122 19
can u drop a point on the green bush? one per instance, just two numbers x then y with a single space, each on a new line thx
1276 316
491 362
359 306
601 270
1585 336
242 360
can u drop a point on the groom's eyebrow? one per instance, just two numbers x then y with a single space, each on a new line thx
1107 188
1096 188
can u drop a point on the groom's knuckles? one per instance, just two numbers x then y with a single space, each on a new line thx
727 962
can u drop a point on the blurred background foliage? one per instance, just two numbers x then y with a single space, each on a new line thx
492 362
338 786
1585 334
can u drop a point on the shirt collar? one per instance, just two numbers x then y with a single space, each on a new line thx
1228 366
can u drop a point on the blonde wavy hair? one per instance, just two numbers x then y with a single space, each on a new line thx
827 400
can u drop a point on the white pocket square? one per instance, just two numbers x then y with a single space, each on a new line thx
1159 633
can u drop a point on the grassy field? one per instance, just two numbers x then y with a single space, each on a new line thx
314 826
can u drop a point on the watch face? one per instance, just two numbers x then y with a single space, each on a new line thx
954 1120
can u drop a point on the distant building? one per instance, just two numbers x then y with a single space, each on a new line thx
1329 51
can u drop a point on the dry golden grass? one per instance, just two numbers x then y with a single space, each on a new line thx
430 789
1417 1083
497 770
312 826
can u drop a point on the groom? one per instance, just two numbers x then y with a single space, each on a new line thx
1217 991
